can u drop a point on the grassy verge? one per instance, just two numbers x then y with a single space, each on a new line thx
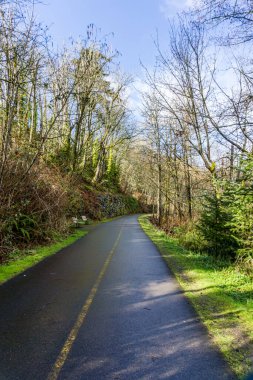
22 260
221 294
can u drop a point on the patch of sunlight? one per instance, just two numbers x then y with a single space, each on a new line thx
220 293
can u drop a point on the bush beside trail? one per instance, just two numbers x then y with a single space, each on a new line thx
39 206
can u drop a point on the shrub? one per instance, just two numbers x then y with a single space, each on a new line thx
192 239
32 206
241 207
215 226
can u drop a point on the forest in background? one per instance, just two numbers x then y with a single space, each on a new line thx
70 145
197 116
64 127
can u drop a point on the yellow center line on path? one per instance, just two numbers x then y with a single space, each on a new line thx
62 357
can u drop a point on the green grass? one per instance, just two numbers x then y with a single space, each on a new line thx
221 294
22 260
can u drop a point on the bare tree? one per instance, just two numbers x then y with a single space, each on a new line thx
153 123
236 15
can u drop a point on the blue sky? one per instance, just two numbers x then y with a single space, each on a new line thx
133 22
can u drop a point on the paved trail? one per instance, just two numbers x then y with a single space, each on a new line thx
104 308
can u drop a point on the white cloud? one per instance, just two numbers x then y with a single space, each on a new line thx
171 7
134 96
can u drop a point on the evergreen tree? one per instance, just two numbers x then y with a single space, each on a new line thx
215 225
241 208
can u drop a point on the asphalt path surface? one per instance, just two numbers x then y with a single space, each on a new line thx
104 308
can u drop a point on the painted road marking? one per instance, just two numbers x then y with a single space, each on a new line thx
62 357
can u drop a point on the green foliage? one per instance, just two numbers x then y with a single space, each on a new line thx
132 205
227 218
110 162
61 157
75 203
95 153
191 238
112 171
212 167
215 225
241 207
21 226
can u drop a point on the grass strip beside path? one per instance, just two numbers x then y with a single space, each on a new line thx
221 294
23 260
